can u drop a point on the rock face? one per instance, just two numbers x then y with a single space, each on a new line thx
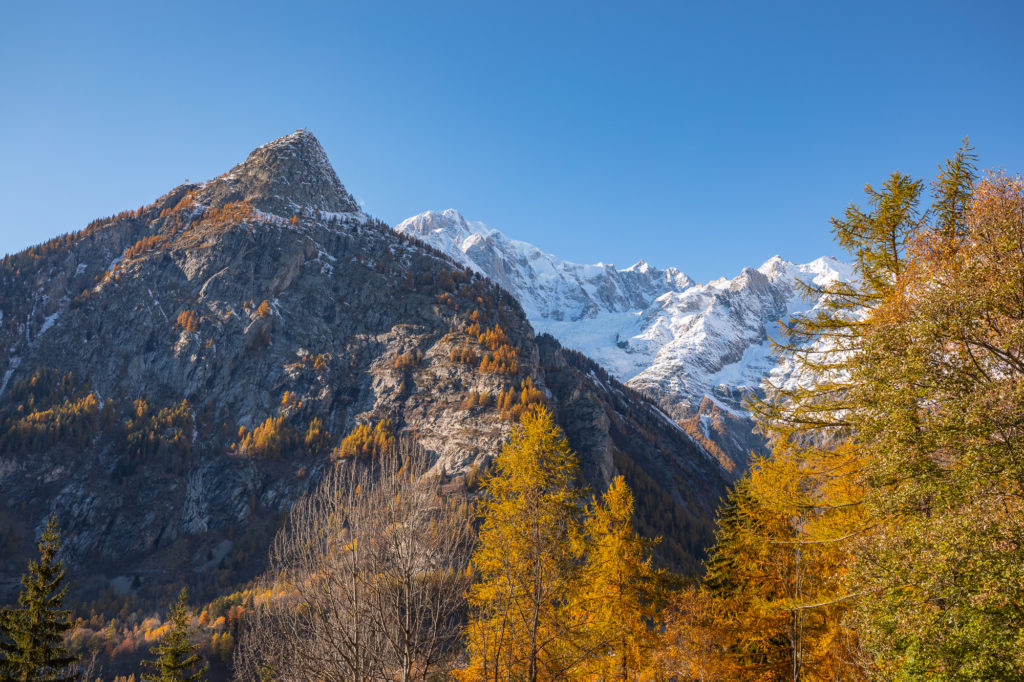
176 376
700 349
283 177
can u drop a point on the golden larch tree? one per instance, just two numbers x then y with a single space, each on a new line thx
525 564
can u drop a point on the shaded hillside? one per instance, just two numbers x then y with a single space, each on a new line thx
175 376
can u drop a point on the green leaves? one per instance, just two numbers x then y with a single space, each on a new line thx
919 369
177 660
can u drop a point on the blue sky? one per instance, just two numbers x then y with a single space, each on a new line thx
708 136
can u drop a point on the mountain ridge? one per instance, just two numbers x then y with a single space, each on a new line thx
700 349
177 375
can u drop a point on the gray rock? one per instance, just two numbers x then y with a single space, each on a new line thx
344 297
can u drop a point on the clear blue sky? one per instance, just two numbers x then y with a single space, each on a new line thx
709 136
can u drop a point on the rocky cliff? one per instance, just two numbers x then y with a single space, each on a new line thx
176 376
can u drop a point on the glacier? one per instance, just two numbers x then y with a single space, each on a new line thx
701 349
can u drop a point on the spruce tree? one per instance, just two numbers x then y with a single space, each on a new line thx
31 645
176 658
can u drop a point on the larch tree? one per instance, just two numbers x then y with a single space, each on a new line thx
32 636
525 565
787 575
619 593
177 659
941 392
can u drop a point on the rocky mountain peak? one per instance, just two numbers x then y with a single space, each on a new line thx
214 342
283 177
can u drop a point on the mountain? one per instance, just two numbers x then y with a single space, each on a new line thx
699 349
175 376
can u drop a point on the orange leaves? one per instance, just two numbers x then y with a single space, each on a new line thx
231 212
153 241
491 339
188 320
408 360
500 356
695 641
185 203
263 310
476 399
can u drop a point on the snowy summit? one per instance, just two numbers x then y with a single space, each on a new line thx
689 344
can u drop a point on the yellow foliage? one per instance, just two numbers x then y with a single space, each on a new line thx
269 439
492 338
317 438
365 441
524 561
513 403
504 360
617 600
464 355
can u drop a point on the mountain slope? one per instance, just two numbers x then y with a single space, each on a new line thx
175 376
700 349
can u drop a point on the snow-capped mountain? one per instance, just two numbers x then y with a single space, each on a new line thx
700 348
547 287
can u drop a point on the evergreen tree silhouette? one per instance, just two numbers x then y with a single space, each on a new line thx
32 636
176 659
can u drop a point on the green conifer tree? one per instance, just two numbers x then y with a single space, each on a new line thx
176 658
31 637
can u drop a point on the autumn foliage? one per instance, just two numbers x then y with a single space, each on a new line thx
562 591
188 320
513 403
280 436
881 539
408 360
365 441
